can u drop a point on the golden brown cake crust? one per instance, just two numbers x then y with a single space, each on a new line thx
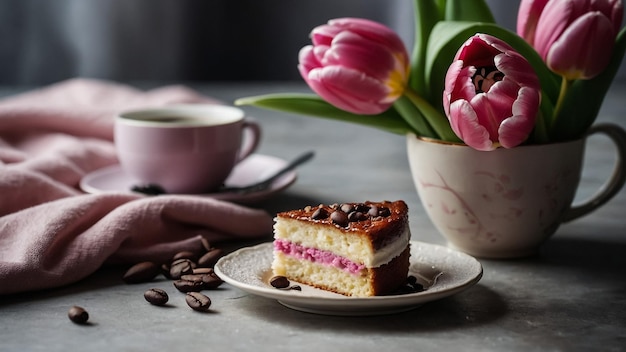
379 221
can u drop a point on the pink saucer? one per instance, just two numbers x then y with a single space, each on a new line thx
253 169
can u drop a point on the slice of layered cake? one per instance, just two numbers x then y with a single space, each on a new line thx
355 249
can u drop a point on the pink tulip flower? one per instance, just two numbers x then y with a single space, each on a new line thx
574 37
491 94
356 65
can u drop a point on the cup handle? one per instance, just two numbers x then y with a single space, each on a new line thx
252 137
615 182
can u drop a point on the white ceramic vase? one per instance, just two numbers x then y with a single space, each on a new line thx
505 203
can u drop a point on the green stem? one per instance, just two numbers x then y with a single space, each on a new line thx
433 117
565 85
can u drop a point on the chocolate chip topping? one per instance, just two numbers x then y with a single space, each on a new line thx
340 218
346 213
380 221
320 213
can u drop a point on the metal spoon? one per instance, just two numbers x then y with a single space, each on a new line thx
263 185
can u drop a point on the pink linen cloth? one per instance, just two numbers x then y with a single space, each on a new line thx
51 233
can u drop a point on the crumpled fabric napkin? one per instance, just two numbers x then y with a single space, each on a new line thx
51 233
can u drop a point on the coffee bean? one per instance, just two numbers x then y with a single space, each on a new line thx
181 267
279 282
156 296
340 218
209 259
319 214
78 315
183 285
212 281
198 282
185 255
295 288
198 301
205 244
202 271
141 272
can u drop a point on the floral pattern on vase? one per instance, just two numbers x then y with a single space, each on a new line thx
500 199
501 203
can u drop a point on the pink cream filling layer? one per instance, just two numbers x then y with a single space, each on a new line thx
317 256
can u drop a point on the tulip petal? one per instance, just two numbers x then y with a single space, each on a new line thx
371 30
515 130
527 18
516 68
349 90
479 100
584 49
357 65
351 50
307 60
555 18
324 34
464 123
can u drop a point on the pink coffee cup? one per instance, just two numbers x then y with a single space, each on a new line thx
184 148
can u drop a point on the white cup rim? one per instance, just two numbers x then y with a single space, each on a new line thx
220 115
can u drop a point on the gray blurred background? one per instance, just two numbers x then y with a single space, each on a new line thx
44 41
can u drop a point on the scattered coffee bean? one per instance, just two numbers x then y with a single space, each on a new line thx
340 218
295 288
211 257
141 272
78 315
149 189
279 282
202 271
197 301
188 285
156 296
412 282
198 282
206 244
181 267
212 281
411 286
185 255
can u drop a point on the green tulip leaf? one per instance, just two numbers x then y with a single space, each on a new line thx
441 5
313 105
468 10
584 98
426 16
414 117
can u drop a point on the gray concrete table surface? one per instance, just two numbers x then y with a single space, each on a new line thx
569 297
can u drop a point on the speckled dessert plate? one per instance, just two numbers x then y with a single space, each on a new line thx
441 270
254 168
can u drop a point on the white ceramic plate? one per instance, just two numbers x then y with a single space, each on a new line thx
254 168
441 270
